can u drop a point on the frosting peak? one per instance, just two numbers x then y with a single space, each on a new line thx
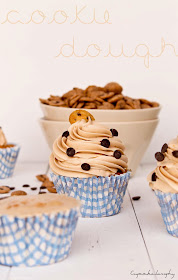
165 176
91 154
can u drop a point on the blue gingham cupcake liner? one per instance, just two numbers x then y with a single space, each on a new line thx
39 240
99 196
169 210
8 158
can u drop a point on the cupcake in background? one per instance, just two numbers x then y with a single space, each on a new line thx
8 156
88 163
36 229
164 181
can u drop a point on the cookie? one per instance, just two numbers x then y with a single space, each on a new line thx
18 193
79 115
4 189
51 190
42 177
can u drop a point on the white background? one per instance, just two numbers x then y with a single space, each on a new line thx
29 68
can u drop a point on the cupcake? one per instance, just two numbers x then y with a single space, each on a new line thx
36 230
164 181
88 163
8 156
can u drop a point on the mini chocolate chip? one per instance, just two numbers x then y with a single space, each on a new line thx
136 197
41 192
85 166
12 188
114 132
33 189
153 177
164 148
65 134
159 156
105 143
175 153
119 171
26 186
78 114
70 152
42 188
117 154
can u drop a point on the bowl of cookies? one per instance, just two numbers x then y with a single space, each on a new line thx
135 119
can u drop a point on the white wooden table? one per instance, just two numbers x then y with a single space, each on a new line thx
118 247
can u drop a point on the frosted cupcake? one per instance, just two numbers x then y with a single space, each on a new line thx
88 163
164 180
8 156
36 230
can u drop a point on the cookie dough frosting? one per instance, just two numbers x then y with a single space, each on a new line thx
3 140
165 176
88 149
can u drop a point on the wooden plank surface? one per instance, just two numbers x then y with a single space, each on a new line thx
162 247
135 241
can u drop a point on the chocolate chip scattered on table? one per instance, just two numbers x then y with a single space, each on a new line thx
93 97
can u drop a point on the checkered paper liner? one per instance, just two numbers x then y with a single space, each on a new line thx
169 210
99 196
8 158
39 240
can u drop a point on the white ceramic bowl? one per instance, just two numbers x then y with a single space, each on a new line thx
136 136
62 114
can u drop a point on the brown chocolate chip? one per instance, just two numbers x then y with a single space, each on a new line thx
117 154
78 114
119 172
65 134
159 156
105 143
85 166
153 177
114 132
41 192
70 152
33 189
164 148
175 154
42 188
26 186
136 197
12 188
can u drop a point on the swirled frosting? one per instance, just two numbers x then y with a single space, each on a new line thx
3 140
85 138
165 176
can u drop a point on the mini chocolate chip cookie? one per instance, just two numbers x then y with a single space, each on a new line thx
79 115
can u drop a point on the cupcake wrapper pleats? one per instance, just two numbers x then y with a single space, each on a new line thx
8 159
40 240
169 210
100 196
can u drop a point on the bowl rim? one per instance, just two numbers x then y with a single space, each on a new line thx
130 122
104 110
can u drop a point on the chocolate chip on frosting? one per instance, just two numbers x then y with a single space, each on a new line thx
105 143
164 148
175 154
159 156
85 166
114 132
65 134
117 154
153 177
70 152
